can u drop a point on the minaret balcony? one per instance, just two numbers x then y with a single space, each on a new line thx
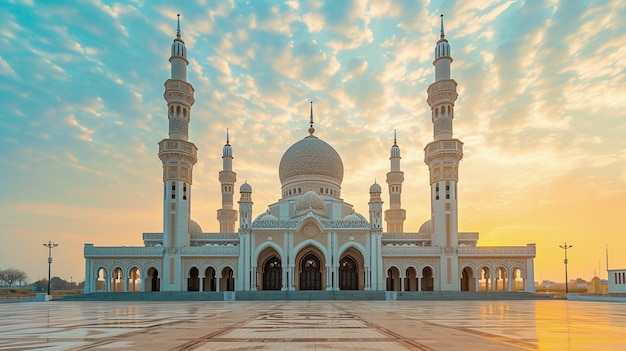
444 149
442 91
395 177
169 146
179 91
227 177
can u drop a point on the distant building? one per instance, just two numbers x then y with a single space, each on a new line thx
310 239
617 282
597 286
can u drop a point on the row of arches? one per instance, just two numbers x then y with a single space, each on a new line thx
487 279
119 281
311 271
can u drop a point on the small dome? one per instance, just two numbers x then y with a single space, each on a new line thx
194 228
245 188
311 202
375 188
268 217
351 217
426 228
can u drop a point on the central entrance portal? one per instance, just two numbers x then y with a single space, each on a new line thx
310 274
348 276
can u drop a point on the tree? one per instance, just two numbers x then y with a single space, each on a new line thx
12 275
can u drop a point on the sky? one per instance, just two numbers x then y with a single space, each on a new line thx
541 110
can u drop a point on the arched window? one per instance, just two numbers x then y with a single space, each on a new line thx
447 190
173 190
437 191
184 191
178 110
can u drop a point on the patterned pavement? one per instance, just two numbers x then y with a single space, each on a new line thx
314 325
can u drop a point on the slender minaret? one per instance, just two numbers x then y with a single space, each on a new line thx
227 216
245 248
245 206
178 156
443 156
395 215
375 280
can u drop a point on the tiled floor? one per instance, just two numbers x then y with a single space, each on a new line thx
314 325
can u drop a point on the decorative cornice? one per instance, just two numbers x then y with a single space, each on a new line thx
123 252
500 251
410 251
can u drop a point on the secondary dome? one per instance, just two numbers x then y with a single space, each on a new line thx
311 159
311 202
194 228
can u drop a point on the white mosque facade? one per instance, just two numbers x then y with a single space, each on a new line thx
310 239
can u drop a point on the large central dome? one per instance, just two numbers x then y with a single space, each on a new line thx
311 164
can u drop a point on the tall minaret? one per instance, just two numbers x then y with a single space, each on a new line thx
443 156
178 157
227 216
395 215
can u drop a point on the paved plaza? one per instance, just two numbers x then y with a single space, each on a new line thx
314 325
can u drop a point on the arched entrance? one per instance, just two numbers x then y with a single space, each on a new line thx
101 280
410 279
518 281
272 274
485 280
310 273
393 279
153 282
348 275
467 280
428 281
193 281
209 280
118 280
134 280
269 275
227 279
502 279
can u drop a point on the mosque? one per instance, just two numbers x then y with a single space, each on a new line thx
310 239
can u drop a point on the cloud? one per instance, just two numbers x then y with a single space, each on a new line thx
5 68
85 132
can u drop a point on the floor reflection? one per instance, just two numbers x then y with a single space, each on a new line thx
319 325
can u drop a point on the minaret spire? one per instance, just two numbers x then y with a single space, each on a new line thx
394 138
442 35
227 137
178 27
311 129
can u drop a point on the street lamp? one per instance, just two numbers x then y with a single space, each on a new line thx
565 247
50 245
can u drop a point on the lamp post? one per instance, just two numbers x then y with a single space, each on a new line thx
565 247
50 245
